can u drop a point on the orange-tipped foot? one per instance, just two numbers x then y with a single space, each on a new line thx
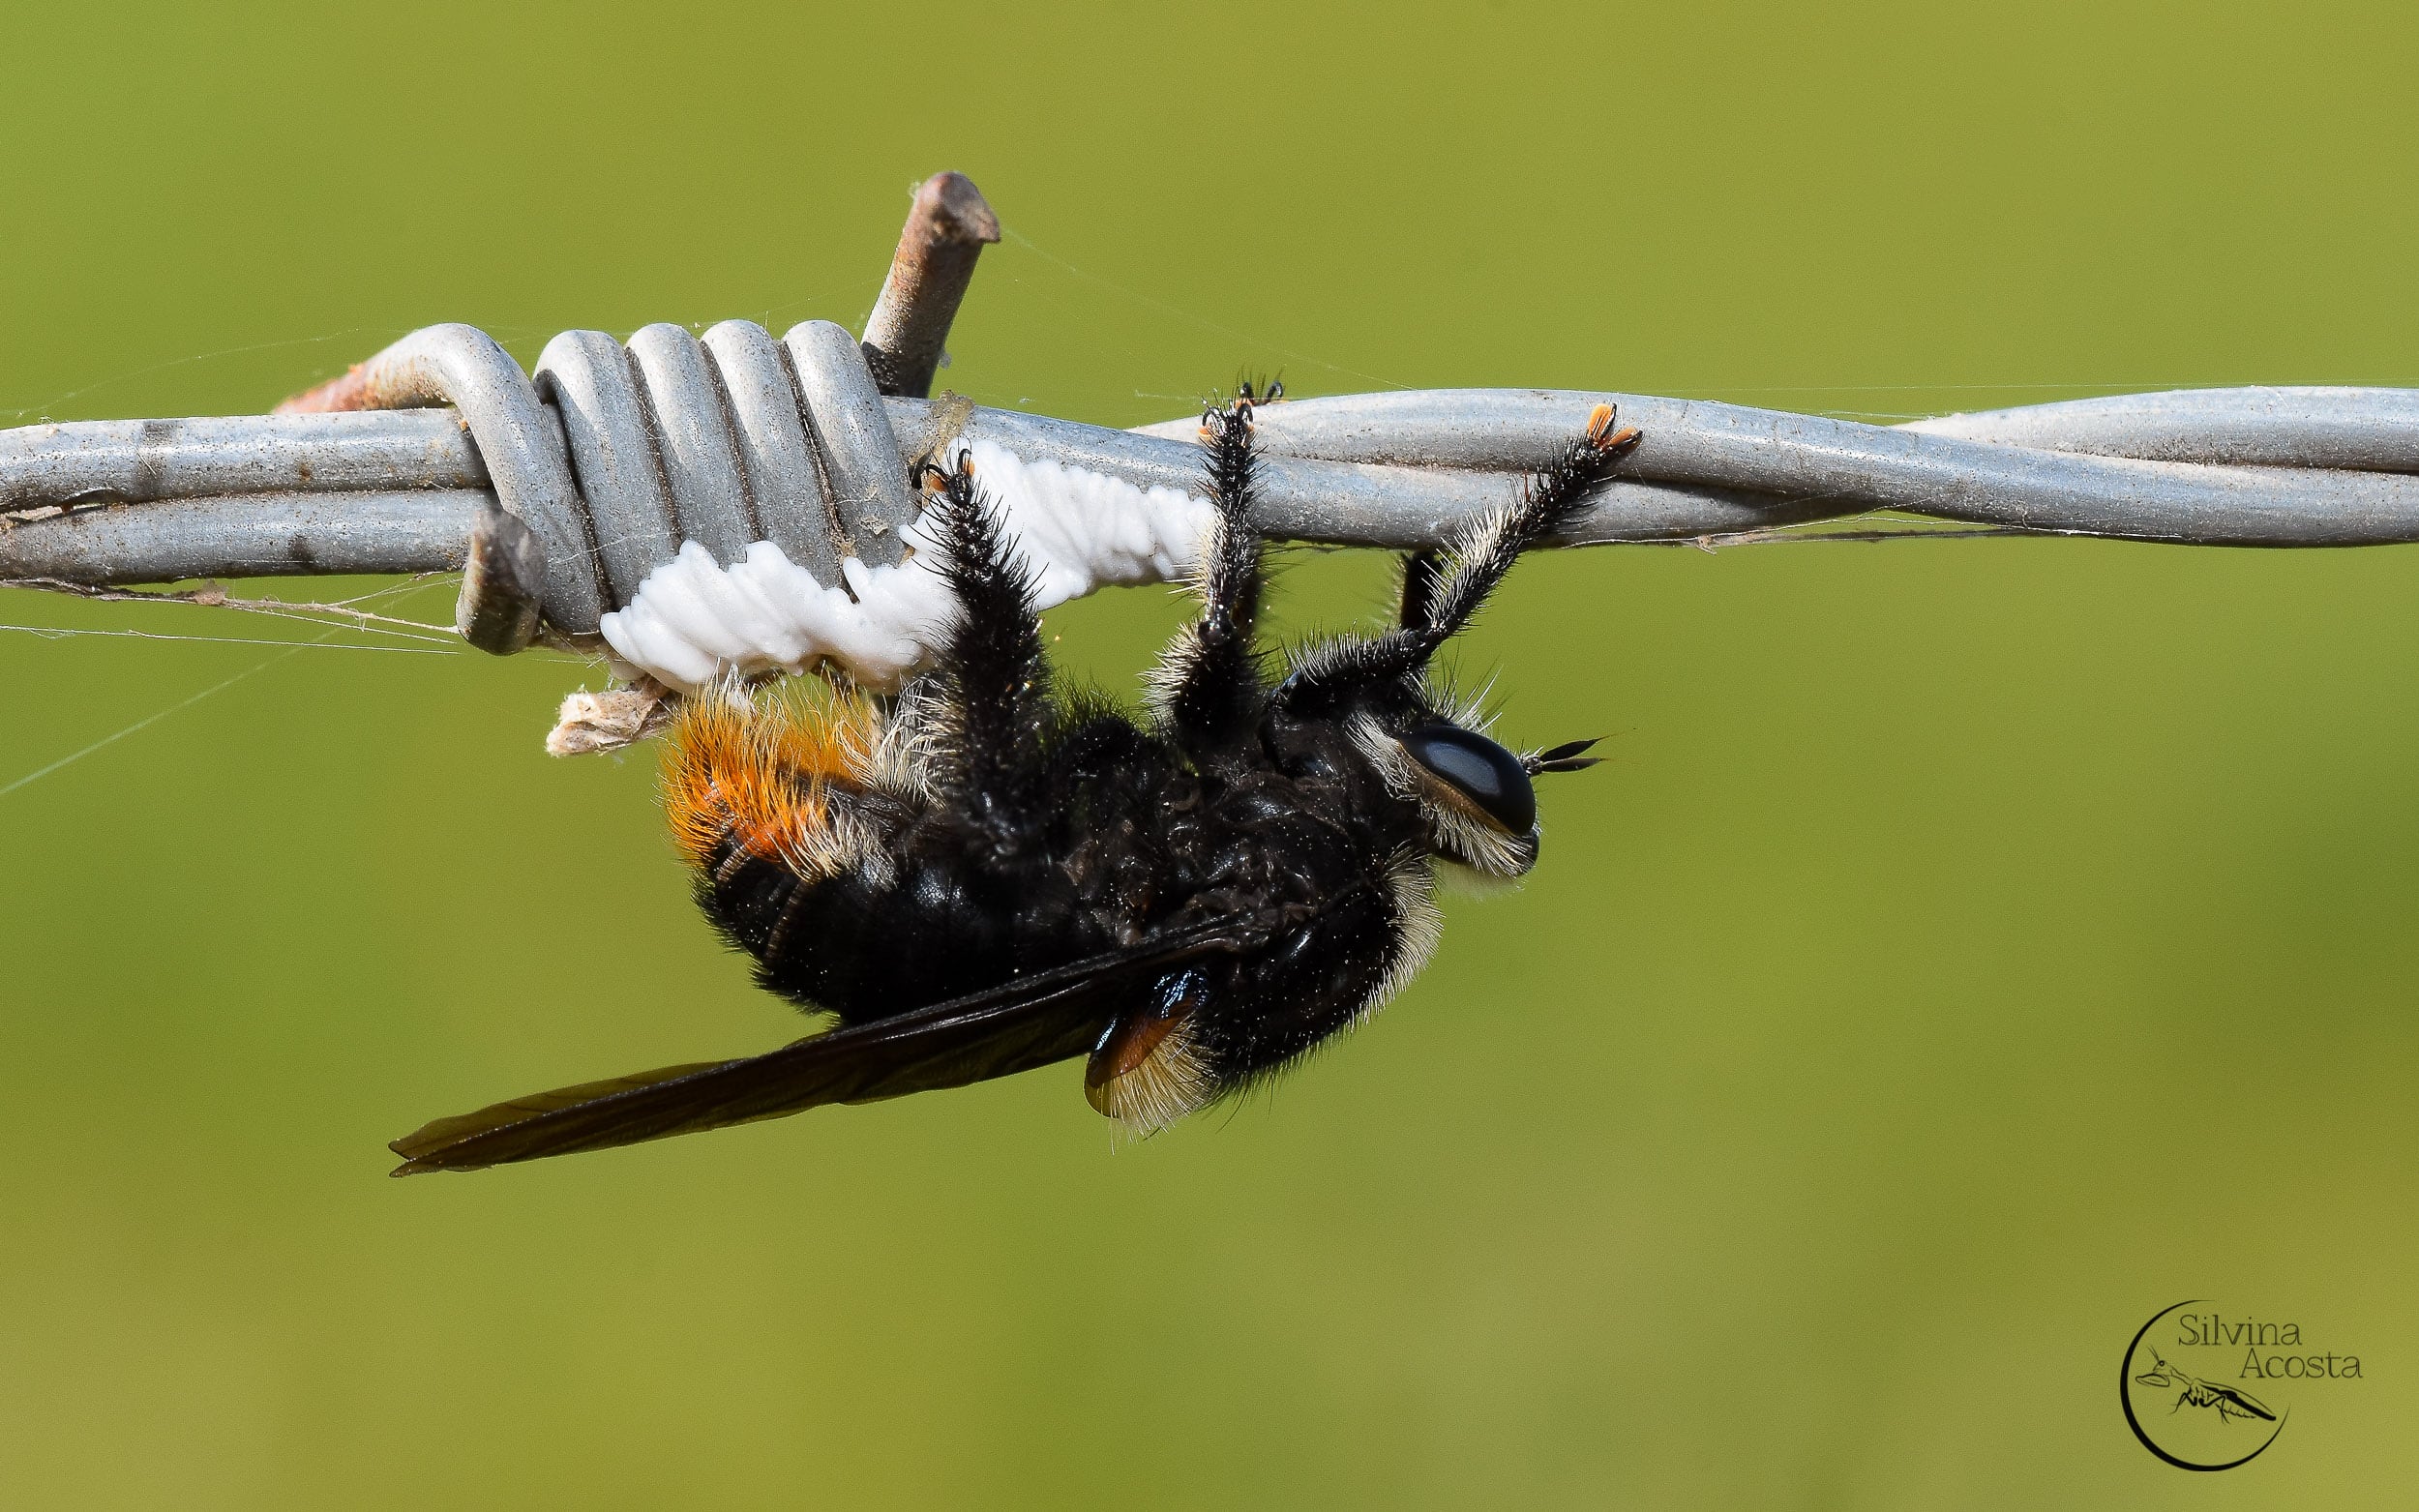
1603 438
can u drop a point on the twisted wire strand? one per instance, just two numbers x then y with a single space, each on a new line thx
732 502
2308 467
615 458
763 485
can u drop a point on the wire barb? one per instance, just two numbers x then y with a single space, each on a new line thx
909 331
558 493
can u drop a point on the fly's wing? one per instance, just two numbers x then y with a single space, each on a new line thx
1024 1024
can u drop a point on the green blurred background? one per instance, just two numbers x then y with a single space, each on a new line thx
1970 948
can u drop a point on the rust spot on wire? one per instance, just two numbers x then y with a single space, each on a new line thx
338 395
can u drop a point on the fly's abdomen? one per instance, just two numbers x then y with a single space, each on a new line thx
778 783
782 814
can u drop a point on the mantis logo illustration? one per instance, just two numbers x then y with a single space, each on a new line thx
2230 1404
2197 1392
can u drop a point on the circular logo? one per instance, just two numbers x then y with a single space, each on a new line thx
2184 1411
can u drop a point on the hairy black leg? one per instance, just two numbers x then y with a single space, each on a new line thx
1550 499
1209 678
996 712
1440 595
1421 573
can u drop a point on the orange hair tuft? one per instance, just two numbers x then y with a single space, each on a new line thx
760 775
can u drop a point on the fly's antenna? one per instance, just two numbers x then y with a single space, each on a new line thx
1565 757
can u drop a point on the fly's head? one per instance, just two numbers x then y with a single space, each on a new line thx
1475 799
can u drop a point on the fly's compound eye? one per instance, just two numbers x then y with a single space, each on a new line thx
1483 774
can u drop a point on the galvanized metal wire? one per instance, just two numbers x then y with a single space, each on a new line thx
138 501
562 489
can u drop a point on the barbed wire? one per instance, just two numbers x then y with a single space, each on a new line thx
558 493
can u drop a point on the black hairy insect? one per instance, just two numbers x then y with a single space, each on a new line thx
984 875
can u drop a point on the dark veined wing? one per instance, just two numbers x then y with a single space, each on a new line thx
1030 1021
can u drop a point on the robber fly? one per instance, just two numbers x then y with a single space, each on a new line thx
983 875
